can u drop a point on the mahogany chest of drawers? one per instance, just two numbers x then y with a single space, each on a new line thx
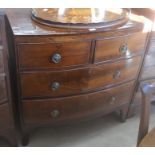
7 127
69 75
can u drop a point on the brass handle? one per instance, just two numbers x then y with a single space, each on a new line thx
112 100
56 58
117 74
55 113
123 49
55 86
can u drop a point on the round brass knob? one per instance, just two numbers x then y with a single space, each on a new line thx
55 86
112 100
117 74
55 113
56 58
123 49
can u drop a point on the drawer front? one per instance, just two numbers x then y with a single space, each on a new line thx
1 60
148 70
53 55
3 94
75 107
125 46
5 120
47 84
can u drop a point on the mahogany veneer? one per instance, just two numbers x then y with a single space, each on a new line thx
37 112
113 46
33 56
68 75
78 81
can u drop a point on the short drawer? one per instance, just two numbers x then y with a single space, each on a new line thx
53 55
120 47
69 82
1 60
76 107
3 94
5 119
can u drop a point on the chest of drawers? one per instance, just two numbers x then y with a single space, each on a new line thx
7 127
69 75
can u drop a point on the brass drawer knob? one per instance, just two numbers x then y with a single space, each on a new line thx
112 100
55 113
55 86
56 58
123 49
117 74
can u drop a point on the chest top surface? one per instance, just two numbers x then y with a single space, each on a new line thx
22 24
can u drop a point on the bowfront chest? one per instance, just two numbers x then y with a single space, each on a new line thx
68 75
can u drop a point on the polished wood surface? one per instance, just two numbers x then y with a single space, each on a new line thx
87 75
111 48
34 56
81 17
75 107
39 84
22 24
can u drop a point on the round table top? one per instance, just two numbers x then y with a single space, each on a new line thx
80 17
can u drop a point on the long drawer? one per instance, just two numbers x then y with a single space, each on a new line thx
75 107
61 83
3 93
120 47
53 55
5 120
